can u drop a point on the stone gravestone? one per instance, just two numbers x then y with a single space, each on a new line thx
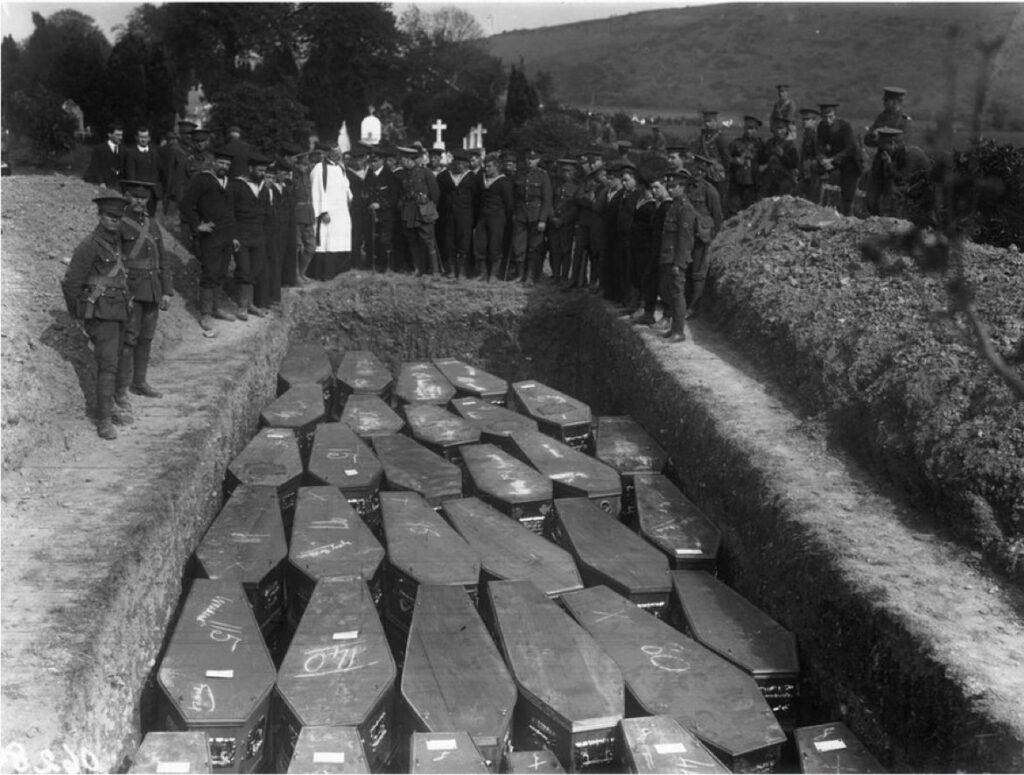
439 126
475 138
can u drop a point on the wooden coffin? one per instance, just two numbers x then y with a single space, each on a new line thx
674 524
341 459
410 466
557 414
329 749
832 748
167 752
360 371
653 745
369 416
271 459
626 446
509 485
440 431
299 408
445 753
472 382
307 364
419 382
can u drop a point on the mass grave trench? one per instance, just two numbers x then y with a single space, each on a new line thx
899 702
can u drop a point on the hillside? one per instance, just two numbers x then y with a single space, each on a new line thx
730 56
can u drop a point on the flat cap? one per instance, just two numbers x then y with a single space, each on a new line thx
234 129
894 91
678 176
326 145
406 150
889 131
256 159
199 134
137 187
703 159
805 112
224 152
187 126
460 155
289 148
828 104
753 120
782 86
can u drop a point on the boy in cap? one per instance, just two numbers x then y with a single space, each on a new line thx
711 143
206 212
704 198
784 109
838 154
150 284
530 213
95 288
676 253
744 153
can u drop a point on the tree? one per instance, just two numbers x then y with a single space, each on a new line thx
522 102
269 115
347 51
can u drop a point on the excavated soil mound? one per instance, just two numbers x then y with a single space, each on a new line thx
867 350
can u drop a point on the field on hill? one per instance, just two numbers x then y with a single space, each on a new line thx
730 56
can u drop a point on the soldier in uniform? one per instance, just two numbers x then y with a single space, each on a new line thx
458 198
623 258
711 143
609 266
95 289
704 198
897 167
305 219
417 209
779 162
201 158
382 192
494 198
891 117
650 283
784 109
744 153
838 154
810 172
676 252
150 284
564 216
172 172
530 213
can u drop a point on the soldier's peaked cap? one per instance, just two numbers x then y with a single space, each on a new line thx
682 150
889 131
565 160
782 86
111 203
200 134
809 112
678 176
828 104
224 152
894 91
406 150
753 120
140 187
703 159
532 153
188 124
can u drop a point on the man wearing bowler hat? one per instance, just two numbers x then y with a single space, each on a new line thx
95 289
150 284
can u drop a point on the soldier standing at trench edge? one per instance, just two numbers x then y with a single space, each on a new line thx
95 289
149 284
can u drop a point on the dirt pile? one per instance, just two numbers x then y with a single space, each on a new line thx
867 350
47 367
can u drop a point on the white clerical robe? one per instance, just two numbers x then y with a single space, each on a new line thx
332 198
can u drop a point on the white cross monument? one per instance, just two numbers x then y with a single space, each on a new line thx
475 138
439 127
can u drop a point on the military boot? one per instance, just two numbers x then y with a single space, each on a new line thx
140 367
105 386
698 294
121 411
433 262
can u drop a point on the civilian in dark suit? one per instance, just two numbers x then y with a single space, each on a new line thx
142 164
107 160
359 209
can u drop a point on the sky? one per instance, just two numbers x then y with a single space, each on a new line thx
494 17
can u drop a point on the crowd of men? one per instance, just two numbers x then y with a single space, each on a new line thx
633 226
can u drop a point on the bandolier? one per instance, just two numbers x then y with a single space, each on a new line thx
95 289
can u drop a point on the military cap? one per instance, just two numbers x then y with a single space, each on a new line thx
682 150
753 120
805 112
474 151
405 150
233 129
828 104
627 167
782 86
709 112
291 149
224 152
508 156
889 131
703 159
595 172
678 176
200 134
460 155
624 144
595 151
565 160
893 91
532 153
417 145
111 203
256 158
137 187
187 126
435 151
